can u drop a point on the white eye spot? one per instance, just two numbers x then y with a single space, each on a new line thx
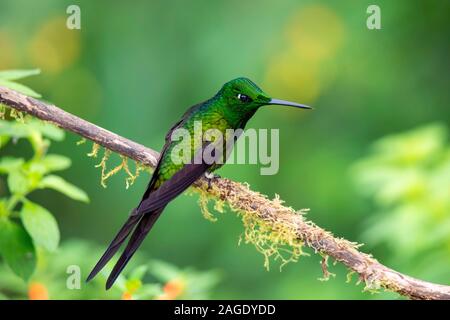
243 97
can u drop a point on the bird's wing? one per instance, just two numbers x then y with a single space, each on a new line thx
135 215
116 243
155 175
171 188
168 141
151 208
145 224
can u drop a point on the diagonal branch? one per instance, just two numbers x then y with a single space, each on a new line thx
245 201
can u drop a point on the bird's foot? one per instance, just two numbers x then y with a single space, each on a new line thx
210 177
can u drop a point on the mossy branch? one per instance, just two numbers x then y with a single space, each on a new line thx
287 226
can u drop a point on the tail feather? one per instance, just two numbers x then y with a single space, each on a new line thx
116 243
145 215
142 229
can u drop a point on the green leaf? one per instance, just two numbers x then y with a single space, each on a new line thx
41 225
163 270
3 208
55 162
9 164
18 183
33 126
48 130
59 184
148 291
18 74
36 168
14 129
20 88
4 140
16 248
138 273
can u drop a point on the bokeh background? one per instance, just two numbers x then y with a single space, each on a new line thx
134 69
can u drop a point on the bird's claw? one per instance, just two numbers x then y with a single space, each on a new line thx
210 177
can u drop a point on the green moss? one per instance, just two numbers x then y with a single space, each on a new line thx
123 165
275 241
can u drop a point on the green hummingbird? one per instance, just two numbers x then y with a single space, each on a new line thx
230 108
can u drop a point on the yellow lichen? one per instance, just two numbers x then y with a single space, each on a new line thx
203 203
82 141
18 115
94 151
372 287
2 111
219 206
371 284
349 276
274 240
102 165
139 167
131 178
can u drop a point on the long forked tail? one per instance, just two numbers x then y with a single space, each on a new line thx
120 238
116 243
142 229
145 215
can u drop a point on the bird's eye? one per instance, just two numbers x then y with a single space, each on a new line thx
243 98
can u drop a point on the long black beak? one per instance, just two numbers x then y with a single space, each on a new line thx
288 103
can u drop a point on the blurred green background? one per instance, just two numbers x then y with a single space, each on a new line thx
134 69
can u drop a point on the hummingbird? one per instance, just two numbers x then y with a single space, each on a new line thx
230 108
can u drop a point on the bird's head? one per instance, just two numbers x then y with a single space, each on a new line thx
243 95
